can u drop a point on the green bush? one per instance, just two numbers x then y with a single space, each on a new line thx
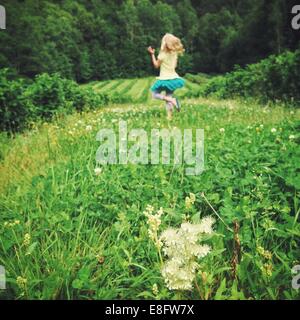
274 78
199 78
82 98
119 98
46 96
22 102
51 94
13 111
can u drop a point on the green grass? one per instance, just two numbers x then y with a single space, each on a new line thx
88 235
98 86
125 86
138 90
191 85
107 86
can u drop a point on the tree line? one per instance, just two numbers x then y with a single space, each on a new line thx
89 40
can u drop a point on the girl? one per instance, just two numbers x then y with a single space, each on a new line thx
168 79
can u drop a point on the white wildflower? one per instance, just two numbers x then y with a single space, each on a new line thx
11 224
205 226
222 130
291 137
202 251
189 201
177 278
98 171
154 221
273 130
182 250
149 209
27 240
155 289
192 197
21 282
169 234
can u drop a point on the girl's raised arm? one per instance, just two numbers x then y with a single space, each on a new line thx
156 63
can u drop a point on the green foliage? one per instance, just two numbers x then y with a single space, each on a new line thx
23 102
89 237
52 94
67 233
95 40
13 111
199 78
47 96
274 78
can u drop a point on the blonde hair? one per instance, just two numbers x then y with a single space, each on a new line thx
170 43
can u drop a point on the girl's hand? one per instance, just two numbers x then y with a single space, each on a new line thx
151 50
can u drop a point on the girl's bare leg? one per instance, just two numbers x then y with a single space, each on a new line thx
167 98
169 107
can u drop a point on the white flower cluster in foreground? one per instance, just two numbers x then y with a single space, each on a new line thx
182 248
154 221
189 201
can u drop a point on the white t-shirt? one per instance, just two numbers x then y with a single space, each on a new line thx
168 65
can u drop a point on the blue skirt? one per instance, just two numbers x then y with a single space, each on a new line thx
167 85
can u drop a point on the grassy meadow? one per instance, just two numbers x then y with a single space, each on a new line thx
68 232
137 89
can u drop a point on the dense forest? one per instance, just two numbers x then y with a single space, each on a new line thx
100 39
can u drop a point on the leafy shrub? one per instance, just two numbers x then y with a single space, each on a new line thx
13 111
46 95
51 94
199 78
95 100
274 78
21 102
119 98
83 97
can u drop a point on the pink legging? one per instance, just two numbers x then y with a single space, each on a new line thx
159 96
